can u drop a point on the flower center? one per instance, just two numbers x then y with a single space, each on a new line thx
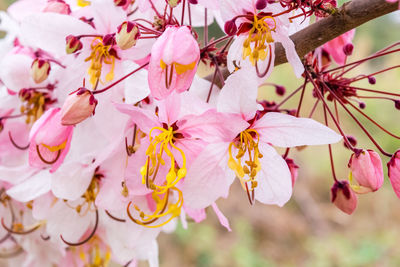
255 46
160 145
100 54
247 151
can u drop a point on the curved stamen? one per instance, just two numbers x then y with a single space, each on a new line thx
15 144
5 237
113 217
261 75
19 232
45 238
86 239
46 161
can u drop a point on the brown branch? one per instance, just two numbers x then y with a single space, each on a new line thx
349 16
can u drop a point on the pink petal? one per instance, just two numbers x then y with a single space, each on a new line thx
145 119
221 217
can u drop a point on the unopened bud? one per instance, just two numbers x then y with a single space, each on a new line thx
362 105
120 2
394 172
261 4
366 169
397 104
371 80
352 140
193 2
127 35
173 3
348 49
280 90
73 44
78 106
343 197
40 70
57 6
230 27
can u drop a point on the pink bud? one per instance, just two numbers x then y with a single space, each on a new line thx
371 80
352 140
73 44
261 4
78 106
57 6
40 70
397 104
343 197
293 168
280 90
394 172
173 62
230 27
127 35
366 169
348 49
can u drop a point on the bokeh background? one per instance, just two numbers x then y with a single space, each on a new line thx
308 230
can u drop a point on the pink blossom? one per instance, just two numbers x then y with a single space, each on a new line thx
78 106
366 169
49 140
173 62
394 172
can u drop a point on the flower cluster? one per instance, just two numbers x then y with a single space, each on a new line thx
109 136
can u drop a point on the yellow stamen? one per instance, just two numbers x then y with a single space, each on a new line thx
83 3
55 148
100 54
250 168
254 46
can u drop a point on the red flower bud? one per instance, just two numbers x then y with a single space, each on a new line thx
343 197
261 4
230 27
348 49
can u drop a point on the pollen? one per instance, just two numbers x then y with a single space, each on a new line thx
100 54
255 45
246 162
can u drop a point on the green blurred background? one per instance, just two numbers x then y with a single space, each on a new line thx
308 230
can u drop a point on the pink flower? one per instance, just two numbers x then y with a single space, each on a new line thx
250 156
49 140
394 172
366 169
339 48
173 62
343 197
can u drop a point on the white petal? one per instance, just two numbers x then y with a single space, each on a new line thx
31 188
288 131
274 180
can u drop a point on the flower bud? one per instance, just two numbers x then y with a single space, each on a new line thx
293 168
362 105
127 35
230 27
261 4
348 49
366 169
73 44
343 197
57 6
193 2
352 140
397 104
280 90
78 106
173 3
371 80
394 172
40 70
